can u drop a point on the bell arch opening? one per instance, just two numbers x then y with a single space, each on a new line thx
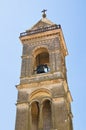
35 115
41 61
47 115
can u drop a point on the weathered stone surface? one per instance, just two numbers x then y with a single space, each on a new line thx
22 96
22 117
43 99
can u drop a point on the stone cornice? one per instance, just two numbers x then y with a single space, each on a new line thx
51 33
38 84
39 35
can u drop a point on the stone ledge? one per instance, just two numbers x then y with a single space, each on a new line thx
41 77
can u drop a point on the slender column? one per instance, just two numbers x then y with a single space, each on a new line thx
30 66
23 67
52 115
58 60
40 117
27 65
52 61
30 118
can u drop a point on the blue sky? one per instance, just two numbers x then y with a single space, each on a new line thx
17 16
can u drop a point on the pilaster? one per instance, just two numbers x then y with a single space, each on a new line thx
22 117
30 117
40 117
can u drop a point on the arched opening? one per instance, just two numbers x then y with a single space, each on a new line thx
42 58
35 115
41 62
46 115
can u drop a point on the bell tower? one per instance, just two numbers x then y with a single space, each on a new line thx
44 99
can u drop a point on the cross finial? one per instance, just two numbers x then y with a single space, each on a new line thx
44 14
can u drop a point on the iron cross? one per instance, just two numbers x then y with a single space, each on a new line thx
44 14
44 10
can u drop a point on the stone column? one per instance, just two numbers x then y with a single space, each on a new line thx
29 66
30 118
60 114
22 117
52 61
58 61
40 126
23 67
52 116
26 69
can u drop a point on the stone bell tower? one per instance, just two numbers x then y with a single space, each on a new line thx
44 99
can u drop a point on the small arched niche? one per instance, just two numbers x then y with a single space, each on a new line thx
41 61
46 115
35 115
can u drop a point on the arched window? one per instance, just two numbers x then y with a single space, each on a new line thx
46 115
42 58
35 115
41 63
